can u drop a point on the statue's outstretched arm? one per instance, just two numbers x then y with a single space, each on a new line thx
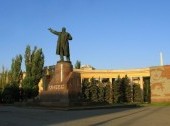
53 31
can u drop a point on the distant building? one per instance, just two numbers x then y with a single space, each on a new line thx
87 67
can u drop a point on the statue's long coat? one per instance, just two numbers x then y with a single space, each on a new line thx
62 43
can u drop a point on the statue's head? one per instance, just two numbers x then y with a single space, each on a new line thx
63 29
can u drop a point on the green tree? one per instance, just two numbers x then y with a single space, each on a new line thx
3 77
93 90
122 90
10 81
100 92
116 90
147 90
34 63
137 93
85 90
125 90
0 95
87 93
15 72
28 61
128 89
10 93
107 93
78 64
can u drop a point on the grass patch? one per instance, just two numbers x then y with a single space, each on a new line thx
161 104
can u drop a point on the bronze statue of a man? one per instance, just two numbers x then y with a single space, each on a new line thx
62 43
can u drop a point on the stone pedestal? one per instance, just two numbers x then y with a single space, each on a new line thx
64 87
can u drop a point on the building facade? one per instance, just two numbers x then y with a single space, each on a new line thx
158 77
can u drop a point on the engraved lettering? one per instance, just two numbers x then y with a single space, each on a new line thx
56 87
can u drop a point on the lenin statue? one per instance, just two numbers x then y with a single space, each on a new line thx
62 43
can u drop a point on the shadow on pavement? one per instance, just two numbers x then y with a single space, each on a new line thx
32 116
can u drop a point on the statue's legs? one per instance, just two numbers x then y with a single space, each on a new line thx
68 58
61 56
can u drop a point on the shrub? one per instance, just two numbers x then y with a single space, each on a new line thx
10 93
94 92
0 95
107 93
100 92
30 90
137 93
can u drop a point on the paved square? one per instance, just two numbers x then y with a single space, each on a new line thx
143 116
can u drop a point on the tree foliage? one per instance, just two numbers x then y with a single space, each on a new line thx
28 61
3 77
128 89
34 63
122 91
117 90
16 72
147 90
85 90
78 64
10 93
101 92
107 93
10 81
93 90
137 93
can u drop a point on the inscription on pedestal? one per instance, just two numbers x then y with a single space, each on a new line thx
56 87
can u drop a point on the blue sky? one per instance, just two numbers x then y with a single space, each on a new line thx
107 34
